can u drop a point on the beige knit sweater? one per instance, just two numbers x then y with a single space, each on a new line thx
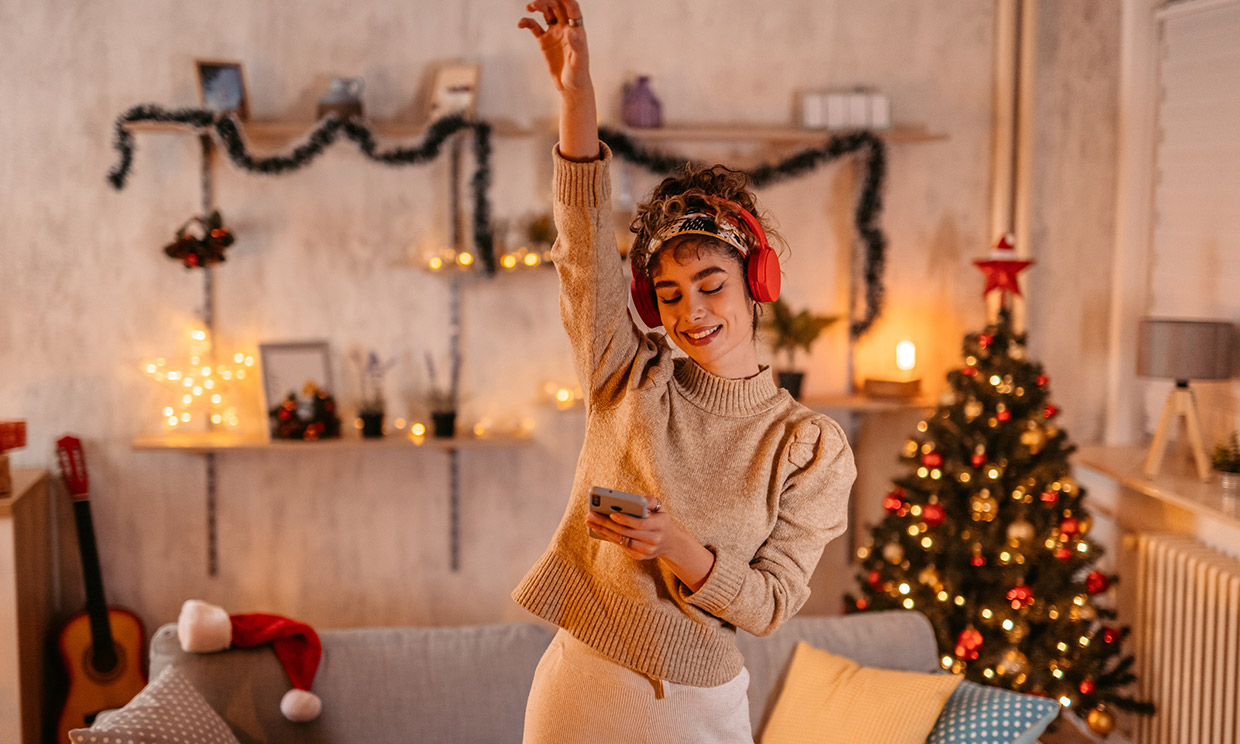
757 478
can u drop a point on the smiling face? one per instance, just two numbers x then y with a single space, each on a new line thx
705 306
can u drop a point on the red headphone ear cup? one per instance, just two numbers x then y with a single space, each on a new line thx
764 276
644 301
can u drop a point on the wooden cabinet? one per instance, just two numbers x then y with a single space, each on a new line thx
27 606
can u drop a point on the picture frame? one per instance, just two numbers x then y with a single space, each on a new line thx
455 90
288 366
221 87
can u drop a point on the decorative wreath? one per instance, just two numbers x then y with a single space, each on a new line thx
200 250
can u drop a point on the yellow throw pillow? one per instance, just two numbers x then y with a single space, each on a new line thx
828 699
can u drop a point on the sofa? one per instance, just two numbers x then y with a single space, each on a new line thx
469 684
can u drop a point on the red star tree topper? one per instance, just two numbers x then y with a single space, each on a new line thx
1001 269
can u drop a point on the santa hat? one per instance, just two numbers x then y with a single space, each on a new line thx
204 628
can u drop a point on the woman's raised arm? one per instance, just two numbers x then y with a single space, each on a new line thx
563 44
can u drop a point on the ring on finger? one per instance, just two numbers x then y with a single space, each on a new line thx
576 22
626 541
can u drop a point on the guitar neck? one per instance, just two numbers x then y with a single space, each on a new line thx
96 604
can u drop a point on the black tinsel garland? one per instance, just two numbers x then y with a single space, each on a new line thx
869 204
318 140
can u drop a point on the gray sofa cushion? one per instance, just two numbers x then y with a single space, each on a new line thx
466 684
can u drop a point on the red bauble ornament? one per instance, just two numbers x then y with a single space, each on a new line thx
985 340
1020 596
191 259
978 561
875 579
862 604
968 644
893 502
978 460
934 514
1004 415
932 459
1063 553
1096 582
1086 687
1050 411
969 371
284 414
1110 635
1070 526
1049 497
1042 380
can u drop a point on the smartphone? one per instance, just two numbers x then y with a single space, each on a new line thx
604 501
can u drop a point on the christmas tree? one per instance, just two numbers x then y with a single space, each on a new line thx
987 533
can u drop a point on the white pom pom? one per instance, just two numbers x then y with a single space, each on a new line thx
203 627
300 705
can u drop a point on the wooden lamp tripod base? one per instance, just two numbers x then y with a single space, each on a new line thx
1180 402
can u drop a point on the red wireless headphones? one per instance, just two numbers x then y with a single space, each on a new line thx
761 269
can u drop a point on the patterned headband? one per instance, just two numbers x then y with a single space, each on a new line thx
721 227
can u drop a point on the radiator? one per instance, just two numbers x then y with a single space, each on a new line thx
1187 642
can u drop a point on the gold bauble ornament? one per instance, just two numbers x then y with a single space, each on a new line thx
1034 439
973 409
983 507
1100 721
893 552
1083 612
1013 663
1020 531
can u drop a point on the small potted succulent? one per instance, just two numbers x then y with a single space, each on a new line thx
1227 462
790 331
372 407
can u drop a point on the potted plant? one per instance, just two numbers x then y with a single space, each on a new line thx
1227 462
372 407
791 331
442 403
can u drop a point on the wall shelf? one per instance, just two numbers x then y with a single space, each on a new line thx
865 403
275 130
774 134
201 443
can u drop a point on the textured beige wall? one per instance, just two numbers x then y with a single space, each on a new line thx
329 252
1072 204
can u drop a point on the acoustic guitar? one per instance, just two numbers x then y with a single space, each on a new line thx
102 646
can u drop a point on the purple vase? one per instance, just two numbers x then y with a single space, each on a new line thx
641 108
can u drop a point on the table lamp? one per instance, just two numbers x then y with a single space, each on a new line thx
1183 350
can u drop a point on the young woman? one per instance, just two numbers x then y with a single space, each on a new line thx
745 485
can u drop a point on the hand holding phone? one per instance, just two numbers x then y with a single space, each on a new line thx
605 501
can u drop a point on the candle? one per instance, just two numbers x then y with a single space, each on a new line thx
906 356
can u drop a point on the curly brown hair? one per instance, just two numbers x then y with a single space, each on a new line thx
691 189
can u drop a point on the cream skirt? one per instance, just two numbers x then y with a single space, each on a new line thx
580 695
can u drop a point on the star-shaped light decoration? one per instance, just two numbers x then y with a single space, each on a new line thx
1002 267
200 390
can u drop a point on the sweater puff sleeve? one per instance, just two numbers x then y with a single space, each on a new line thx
758 594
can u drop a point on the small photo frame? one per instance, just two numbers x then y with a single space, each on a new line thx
289 366
455 92
222 87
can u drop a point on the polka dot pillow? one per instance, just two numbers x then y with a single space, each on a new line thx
977 714
167 710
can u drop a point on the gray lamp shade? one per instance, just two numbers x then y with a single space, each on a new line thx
1185 349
